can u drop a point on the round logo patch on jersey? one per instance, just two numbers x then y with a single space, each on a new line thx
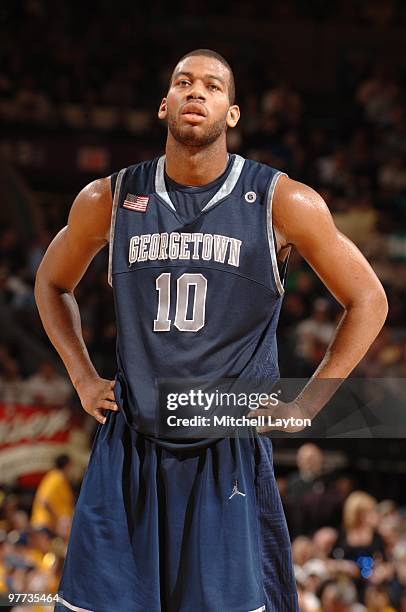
250 197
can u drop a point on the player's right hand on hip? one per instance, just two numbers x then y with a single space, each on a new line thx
97 396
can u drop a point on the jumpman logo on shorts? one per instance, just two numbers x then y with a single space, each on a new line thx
235 490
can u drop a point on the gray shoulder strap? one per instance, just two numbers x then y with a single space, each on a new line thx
116 200
271 241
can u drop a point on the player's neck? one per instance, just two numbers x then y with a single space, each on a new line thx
195 165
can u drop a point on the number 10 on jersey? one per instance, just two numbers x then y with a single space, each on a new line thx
162 323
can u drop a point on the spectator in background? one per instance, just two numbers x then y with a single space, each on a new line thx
11 253
311 501
302 550
309 460
43 548
324 540
308 602
31 558
390 529
378 95
8 508
334 170
340 597
47 387
12 385
54 498
397 585
392 174
360 541
303 599
360 537
282 101
315 574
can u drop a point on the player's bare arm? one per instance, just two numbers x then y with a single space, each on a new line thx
64 264
303 220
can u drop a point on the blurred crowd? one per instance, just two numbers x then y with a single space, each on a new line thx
83 71
34 533
349 549
45 387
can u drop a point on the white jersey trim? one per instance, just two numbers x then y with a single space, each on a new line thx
261 609
71 606
160 186
223 192
272 246
228 184
116 200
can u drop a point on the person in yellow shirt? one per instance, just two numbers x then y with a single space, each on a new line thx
54 497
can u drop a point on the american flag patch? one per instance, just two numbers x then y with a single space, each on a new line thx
136 202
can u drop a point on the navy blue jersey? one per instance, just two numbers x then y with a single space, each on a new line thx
189 201
175 527
193 299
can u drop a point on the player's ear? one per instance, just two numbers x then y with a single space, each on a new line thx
162 112
233 115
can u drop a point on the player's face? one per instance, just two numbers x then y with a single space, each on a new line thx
197 106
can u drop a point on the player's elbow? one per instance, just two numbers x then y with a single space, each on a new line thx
40 288
383 305
44 284
378 305
41 282
372 302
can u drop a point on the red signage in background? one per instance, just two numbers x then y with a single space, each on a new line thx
32 436
93 159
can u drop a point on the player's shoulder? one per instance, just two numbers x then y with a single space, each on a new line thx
94 201
294 196
90 213
97 190
298 209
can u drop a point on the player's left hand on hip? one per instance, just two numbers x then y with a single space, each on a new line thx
285 416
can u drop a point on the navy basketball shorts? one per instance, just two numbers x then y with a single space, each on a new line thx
197 530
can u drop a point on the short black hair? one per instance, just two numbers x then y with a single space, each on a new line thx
222 60
61 461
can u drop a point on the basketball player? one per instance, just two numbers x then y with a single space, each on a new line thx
198 241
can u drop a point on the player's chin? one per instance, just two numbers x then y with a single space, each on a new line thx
194 137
